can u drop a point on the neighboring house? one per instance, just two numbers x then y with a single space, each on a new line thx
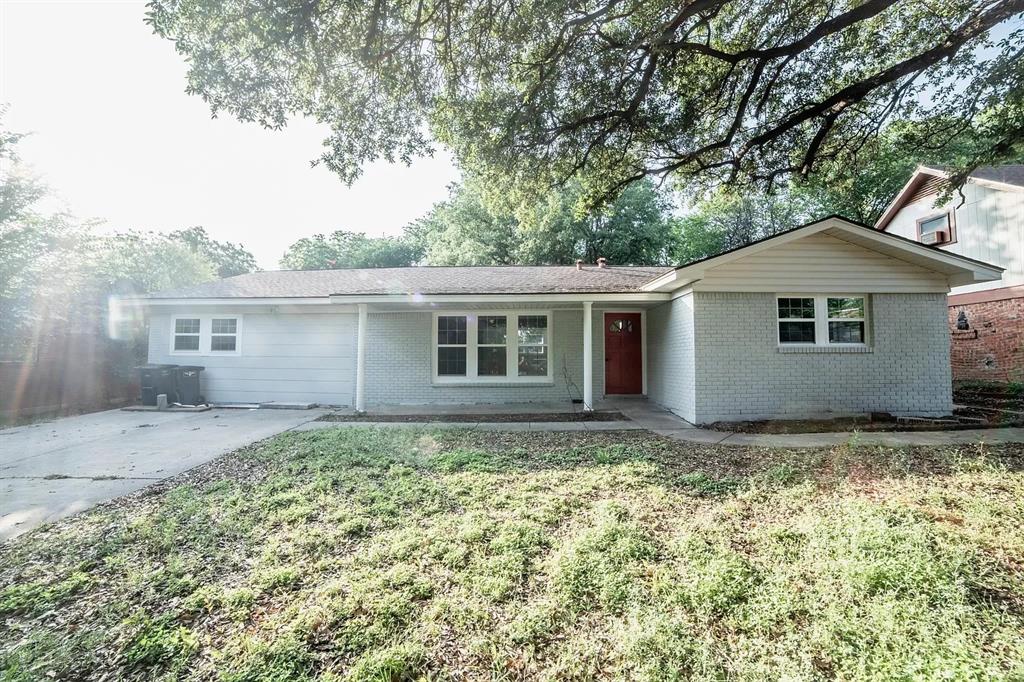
829 318
984 221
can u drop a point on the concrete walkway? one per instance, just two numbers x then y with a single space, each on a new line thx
54 469
645 415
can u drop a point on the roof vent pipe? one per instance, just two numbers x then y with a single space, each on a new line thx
602 262
579 263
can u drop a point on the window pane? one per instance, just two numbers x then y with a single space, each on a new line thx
533 329
491 330
451 329
846 332
796 308
451 361
848 308
224 326
796 332
533 361
186 343
186 326
222 342
491 361
937 223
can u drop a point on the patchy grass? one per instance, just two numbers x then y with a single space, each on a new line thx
361 554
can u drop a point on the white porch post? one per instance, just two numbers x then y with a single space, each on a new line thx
361 360
588 356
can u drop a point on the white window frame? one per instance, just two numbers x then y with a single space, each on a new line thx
237 334
821 320
175 334
206 334
511 347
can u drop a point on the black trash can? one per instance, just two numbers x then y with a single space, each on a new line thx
157 379
188 385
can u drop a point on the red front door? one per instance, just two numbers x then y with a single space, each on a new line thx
623 354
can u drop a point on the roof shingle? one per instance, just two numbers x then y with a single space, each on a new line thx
423 280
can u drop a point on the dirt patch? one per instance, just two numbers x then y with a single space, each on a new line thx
995 404
962 419
596 416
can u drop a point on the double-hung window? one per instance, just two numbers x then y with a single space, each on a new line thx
186 334
224 334
532 358
206 335
498 347
822 320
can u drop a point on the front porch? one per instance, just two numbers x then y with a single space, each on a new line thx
614 413
548 356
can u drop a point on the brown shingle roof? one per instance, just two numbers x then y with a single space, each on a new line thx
423 280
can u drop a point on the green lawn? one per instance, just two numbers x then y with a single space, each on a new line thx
397 554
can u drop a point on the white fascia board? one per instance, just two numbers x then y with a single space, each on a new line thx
418 299
193 302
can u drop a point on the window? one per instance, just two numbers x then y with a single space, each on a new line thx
224 334
533 346
186 334
502 347
796 320
204 334
492 346
928 229
846 320
822 320
451 345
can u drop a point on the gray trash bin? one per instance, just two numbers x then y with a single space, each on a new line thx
188 385
157 379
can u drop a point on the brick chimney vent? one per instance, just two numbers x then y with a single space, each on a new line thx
602 262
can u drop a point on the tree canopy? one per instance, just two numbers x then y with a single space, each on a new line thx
472 228
228 259
57 273
342 249
712 91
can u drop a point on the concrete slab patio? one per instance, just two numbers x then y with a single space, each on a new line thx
58 468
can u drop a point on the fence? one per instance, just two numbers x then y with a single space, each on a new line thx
68 374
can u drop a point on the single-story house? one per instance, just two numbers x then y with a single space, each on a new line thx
829 318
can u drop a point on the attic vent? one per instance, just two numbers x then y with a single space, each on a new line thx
929 188
602 262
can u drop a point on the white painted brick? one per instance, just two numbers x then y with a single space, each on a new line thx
740 373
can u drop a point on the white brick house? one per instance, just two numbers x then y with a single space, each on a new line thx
829 318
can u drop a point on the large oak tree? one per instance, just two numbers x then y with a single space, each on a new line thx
741 91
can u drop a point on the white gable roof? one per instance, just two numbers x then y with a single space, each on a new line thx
928 264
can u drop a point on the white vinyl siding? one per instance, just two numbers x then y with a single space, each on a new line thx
287 356
821 263
989 228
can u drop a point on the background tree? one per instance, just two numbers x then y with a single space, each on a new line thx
535 94
474 227
467 230
228 259
57 273
343 249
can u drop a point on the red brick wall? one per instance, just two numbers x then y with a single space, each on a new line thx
992 349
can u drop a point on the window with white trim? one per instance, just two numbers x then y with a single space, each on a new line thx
224 334
532 359
822 320
501 346
186 334
492 346
206 335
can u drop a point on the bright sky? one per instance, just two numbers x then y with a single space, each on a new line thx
116 137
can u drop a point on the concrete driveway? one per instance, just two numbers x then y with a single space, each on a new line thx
58 468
